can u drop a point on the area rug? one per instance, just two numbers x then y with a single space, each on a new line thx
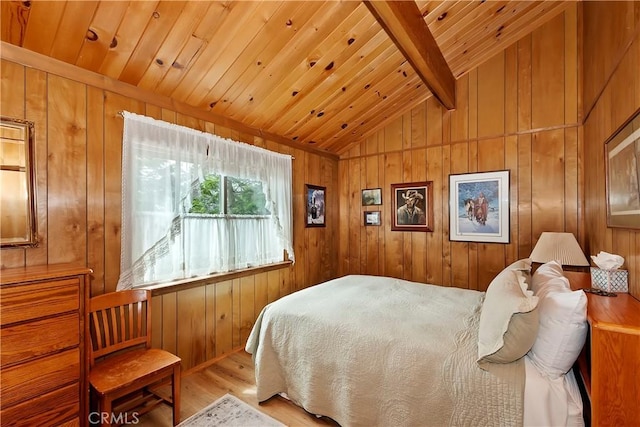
229 411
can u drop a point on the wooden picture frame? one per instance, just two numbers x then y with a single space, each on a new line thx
622 160
371 196
315 211
372 218
479 207
412 206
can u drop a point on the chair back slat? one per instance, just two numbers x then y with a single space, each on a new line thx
119 320
99 338
111 332
139 320
121 312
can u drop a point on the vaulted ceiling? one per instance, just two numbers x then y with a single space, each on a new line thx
324 74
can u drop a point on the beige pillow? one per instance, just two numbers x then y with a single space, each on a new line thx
523 265
508 320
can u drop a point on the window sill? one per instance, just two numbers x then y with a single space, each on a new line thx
180 285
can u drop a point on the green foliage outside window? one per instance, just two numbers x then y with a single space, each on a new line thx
208 202
243 197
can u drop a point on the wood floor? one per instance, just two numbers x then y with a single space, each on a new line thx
234 375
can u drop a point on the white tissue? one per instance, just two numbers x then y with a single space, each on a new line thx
607 261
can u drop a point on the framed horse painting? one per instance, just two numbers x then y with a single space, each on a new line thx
479 207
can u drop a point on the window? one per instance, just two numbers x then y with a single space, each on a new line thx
196 204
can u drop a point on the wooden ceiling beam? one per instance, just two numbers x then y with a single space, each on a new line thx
405 25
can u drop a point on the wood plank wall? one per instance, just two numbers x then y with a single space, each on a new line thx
518 111
611 96
78 135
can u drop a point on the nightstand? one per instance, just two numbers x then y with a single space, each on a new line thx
609 365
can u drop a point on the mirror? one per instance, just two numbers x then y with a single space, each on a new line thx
17 178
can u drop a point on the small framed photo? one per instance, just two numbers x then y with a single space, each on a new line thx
315 205
372 218
479 207
412 206
371 196
623 175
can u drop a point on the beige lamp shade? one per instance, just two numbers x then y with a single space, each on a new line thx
561 247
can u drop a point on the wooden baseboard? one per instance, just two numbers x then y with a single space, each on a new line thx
210 362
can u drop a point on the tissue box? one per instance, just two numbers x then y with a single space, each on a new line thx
618 279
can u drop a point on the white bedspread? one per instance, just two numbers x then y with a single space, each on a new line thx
374 351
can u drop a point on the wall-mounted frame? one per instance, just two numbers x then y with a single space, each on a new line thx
622 153
371 196
372 218
17 184
479 207
315 212
412 206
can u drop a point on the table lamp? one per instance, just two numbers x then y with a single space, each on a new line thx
561 247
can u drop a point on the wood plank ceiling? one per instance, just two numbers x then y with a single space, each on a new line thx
318 73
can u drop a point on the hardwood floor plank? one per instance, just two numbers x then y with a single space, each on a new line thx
235 375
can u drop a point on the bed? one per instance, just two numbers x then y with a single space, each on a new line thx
376 351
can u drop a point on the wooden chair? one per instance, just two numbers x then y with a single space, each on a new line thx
124 368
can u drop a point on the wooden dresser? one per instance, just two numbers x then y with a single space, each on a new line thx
43 355
609 366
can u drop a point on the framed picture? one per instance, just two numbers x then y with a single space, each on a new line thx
372 218
623 175
412 206
479 207
315 205
372 196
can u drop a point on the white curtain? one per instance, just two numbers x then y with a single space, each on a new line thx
161 240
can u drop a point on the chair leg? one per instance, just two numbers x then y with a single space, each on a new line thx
175 385
105 412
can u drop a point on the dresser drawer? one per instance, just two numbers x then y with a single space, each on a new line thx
46 410
22 342
29 380
31 301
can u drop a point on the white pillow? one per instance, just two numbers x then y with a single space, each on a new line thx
508 320
563 327
544 273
